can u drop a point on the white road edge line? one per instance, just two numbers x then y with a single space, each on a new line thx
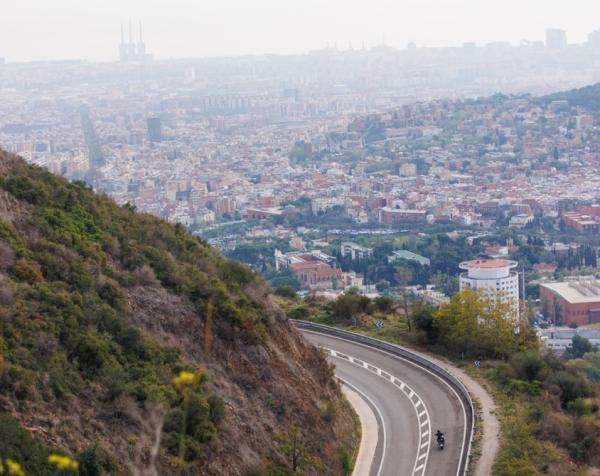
394 356
415 405
368 399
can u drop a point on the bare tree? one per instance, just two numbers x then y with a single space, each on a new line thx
294 445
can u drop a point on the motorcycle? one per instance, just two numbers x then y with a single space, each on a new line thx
441 442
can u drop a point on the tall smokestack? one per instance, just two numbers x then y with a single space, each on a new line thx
131 44
141 47
122 46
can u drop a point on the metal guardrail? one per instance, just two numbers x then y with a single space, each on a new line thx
417 359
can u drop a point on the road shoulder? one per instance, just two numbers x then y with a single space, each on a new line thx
489 426
369 433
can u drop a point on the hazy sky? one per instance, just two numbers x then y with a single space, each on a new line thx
90 29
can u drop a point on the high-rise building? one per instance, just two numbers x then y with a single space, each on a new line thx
556 39
494 278
154 129
594 39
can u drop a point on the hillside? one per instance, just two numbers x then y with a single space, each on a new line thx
102 308
587 97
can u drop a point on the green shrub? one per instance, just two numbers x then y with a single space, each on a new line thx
580 407
349 304
89 352
25 188
236 272
27 270
111 294
286 292
527 365
572 386
14 239
579 347
346 461
289 281
422 317
299 312
581 449
217 409
188 426
524 386
94 461
384 303
17 444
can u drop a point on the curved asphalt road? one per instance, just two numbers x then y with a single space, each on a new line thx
410 404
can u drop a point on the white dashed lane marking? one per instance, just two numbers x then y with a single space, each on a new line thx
415 400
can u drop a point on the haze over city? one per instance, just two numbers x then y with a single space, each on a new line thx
300 238
71 29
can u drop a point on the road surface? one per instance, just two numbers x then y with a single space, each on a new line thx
409 404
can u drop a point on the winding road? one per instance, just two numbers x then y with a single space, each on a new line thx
409 402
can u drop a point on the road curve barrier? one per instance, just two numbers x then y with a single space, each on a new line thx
420 360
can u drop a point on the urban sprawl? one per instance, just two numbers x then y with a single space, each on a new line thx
379 170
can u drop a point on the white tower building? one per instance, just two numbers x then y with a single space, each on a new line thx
495 278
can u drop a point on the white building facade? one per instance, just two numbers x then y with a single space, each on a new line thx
495 278
355 251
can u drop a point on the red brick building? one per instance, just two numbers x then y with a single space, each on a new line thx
572 301
261 214
316 274
585 219
396 216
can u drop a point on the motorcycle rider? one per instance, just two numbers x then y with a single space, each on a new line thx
439 435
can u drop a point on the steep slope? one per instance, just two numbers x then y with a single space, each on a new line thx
101 308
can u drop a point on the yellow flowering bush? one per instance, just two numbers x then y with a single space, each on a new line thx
183 380
63 462
12 467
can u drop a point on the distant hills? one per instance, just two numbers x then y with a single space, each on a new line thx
117 328
588 97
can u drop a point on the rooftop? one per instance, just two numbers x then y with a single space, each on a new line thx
409 255
403 210
574 292
488 263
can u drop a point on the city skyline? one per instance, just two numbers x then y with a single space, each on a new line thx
69 30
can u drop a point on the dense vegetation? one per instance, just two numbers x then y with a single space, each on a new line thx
61 327
587 97
107 322
444 253
549 412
